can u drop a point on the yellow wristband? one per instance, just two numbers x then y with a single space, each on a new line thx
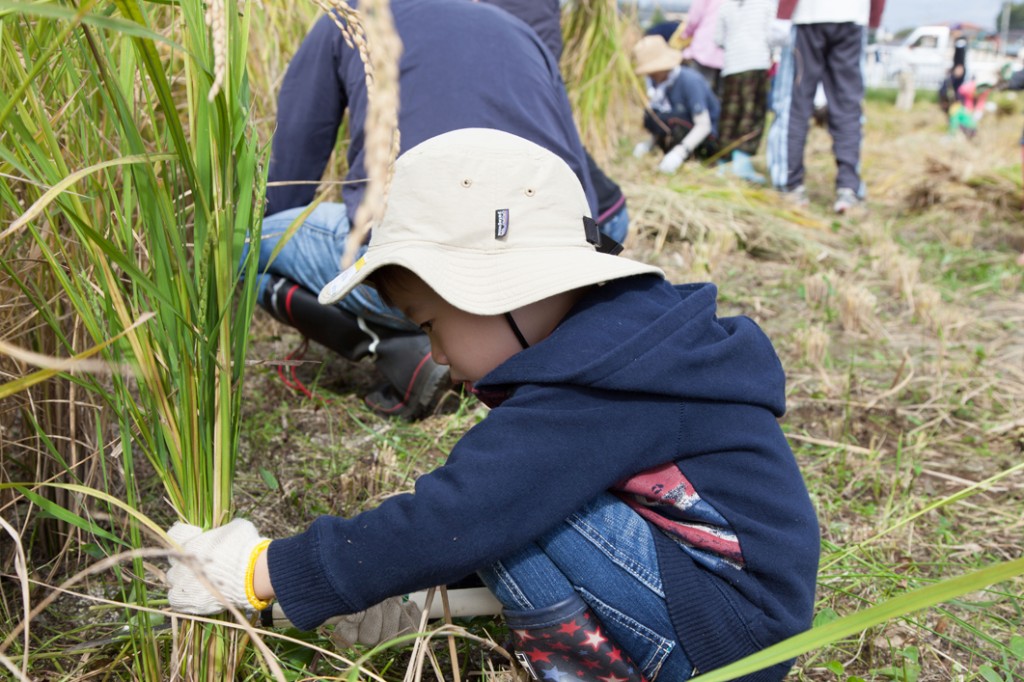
250 591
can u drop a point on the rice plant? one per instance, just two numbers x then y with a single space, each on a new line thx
131 177
606 96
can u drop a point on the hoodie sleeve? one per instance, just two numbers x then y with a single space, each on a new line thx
533 461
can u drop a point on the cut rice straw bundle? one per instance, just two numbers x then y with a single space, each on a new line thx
692 211
606 96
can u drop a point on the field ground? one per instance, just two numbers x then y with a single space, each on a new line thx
902 332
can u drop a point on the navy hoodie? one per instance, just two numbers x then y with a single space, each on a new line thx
641 374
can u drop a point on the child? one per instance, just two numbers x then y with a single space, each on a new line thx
743 31
630 498
682 112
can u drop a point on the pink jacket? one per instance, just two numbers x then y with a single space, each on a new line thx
700 25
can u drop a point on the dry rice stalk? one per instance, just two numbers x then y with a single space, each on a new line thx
818 287
857 308
218 24
814 341
705 256
963 237
882 250
927 299
874 234
372 31
381 130
377 477
1011 282
947 320
904 276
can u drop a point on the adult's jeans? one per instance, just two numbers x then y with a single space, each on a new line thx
312 258
605 553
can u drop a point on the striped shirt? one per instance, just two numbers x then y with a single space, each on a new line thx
742 31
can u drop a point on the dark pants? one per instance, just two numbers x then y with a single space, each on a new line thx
669 130
744 104
830 54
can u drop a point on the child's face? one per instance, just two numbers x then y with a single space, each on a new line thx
471 345
659 77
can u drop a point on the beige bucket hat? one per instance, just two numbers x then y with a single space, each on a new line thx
652 54
489 220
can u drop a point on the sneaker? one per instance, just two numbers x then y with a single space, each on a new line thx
797 196
846 199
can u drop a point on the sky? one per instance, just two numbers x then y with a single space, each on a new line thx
909 13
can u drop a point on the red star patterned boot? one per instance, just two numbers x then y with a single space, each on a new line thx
566 642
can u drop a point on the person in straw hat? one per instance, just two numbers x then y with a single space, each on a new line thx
629 498
682 113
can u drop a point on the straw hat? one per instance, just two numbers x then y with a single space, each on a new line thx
490 221
652 54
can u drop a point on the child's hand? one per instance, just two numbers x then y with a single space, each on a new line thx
385 621
224 555
673 159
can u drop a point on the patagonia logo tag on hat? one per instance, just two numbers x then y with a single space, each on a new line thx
501 223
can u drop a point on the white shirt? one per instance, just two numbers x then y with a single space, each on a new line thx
742 31
832 11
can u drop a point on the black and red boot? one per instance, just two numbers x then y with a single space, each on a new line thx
566 642
413 381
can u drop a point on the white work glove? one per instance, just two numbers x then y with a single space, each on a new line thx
673 159
779 32
223 556
380 623
643 148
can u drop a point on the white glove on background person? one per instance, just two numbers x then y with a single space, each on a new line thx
673 159
643 147
779 32
379 623
223 555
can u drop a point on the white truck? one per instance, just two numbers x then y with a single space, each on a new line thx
928 54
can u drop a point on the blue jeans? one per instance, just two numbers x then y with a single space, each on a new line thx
617 226
312 258
605 553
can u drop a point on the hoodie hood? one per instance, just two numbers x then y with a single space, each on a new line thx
675 346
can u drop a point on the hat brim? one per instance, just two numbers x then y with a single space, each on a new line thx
663 62
526 275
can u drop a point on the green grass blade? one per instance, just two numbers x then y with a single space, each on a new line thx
854 623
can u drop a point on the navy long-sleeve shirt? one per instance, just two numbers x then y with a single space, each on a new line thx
463 65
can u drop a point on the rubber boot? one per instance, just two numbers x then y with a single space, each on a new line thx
566 642
414 382
742 167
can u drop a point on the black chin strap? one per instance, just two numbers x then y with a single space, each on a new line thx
515 330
